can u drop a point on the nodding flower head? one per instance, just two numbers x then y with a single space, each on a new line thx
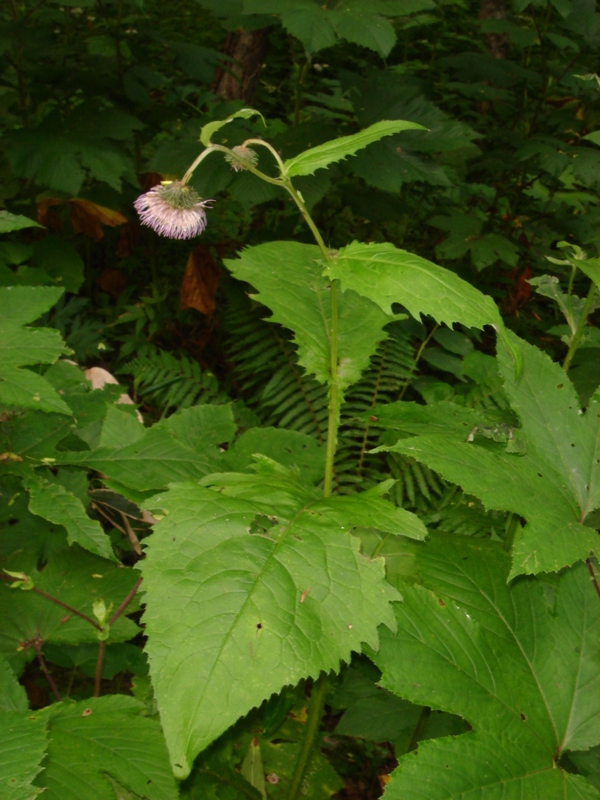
173 209
245 158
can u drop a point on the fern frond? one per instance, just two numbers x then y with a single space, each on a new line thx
172 381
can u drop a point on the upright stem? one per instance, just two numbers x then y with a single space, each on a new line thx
334 393
579 332
315 712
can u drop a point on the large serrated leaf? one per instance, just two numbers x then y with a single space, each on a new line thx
387 275
554 485
102 738
22 748
254 612
337 149
518 663
288 277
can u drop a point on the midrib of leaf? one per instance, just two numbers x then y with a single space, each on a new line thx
256 582
579 665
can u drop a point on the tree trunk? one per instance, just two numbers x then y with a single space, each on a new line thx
247 50
497 44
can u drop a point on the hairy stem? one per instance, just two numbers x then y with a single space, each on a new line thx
315 711
576 341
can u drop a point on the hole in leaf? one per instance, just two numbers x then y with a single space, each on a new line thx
560 385
523 717
259 626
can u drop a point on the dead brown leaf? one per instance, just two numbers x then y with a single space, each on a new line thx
200 282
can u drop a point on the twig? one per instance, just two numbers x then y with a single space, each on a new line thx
590 567
37 644
58 603
125 602
98 676
133 539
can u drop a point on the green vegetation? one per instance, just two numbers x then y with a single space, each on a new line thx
299 400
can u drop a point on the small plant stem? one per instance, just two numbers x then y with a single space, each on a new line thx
99 663
217 148
297 198
125 602
595 584
315 711
419 728
334 394
37 643
575 342
59 603
424 344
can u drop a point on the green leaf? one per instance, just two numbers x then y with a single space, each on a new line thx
289 280
22 748
72 575
252 767
12 694
212 127
21 387
152 462
369 511
21 346
555 486
304 19
290 448
387 275
101 737
53 502
254 612
15 222
62 150
336 150
594 137
360 26
519 663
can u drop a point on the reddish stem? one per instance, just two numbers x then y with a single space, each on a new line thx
98 676
37 643
58 603
125 602
590 567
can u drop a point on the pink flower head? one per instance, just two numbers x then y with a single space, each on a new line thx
173 209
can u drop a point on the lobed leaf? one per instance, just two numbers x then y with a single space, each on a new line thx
387 275
289 282
520 664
